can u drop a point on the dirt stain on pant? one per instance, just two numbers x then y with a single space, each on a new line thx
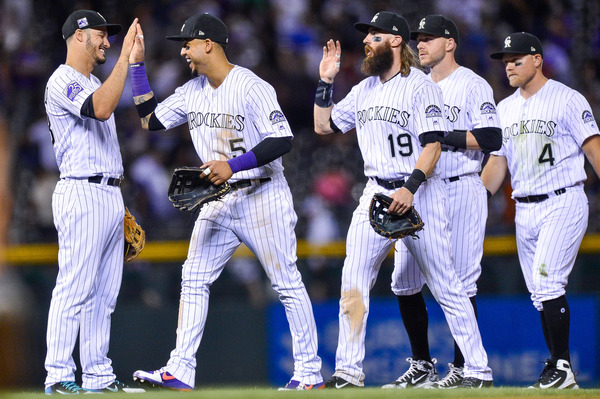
352 306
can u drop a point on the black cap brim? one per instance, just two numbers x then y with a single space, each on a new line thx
414 35
500 54
364 28
180 38
111 29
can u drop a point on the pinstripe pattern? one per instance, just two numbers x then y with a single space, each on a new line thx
401 106
396 107
548 233
89 221
88 280
553 117
83 146
221 118
242 111
469 104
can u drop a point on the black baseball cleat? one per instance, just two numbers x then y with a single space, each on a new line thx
116 387
475 383
339 383
557 375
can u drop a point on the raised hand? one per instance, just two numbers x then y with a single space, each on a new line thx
129 39
330 63
138 53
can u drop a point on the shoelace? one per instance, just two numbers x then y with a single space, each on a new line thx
453 377
71 386
415 367
470 382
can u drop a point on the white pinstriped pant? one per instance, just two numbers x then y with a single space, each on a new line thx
549 234
89 221
365 251
263 218
467 205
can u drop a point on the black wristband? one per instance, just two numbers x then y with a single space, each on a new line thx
414 180
456 138
147 107
324 95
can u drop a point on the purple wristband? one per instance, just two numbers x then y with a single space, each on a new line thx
139 79
243 162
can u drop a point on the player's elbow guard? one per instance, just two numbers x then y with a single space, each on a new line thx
488 138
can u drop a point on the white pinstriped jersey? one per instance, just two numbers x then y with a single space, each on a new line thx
388 118
542 138
469 103
83 146
230 120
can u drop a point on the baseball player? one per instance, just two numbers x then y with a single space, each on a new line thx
87 205
475 130
236 126
546 130
399 118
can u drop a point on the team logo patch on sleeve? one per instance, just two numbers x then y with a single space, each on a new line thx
587 116
72 90
276 117
487 108
433 111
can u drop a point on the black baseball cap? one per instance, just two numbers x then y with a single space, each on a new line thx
203 26
386 21
84 19
520 43
436 25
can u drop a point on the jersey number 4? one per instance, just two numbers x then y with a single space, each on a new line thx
404 144
546 155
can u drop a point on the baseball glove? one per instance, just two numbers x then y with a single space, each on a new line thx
135 237
188 192
392 225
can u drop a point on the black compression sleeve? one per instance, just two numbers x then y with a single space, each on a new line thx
431 137
456 138
488 138
271 148
87 109
154 123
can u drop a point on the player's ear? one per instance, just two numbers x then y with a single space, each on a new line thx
396 41
537 60
450 44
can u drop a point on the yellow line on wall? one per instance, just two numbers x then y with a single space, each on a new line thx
176 251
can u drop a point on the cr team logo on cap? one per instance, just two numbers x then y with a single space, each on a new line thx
507 42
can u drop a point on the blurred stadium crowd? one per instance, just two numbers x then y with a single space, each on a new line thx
281 40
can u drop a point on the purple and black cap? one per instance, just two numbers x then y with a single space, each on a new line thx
87 19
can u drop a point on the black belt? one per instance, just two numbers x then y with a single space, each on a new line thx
389 184
452 179
111 181
247 183
541 197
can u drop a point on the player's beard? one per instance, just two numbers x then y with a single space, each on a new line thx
379 62
93 51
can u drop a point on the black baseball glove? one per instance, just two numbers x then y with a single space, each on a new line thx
188 192
392 225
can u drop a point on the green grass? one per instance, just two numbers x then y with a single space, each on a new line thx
366 393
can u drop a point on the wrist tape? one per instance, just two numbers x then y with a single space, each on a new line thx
323 97
414 181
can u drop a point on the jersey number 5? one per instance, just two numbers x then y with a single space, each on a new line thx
546 155
234 145
404 144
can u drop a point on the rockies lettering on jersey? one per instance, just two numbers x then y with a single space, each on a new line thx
547 128
542 136
386 114
235 122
